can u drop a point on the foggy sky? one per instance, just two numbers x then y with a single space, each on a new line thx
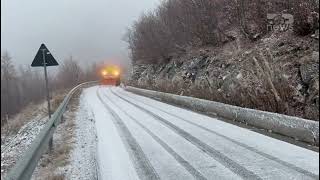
89 30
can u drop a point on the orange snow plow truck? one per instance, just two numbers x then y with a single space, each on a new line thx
110 75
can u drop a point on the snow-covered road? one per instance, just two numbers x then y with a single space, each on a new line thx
140 138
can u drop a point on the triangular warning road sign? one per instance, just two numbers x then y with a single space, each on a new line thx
38 60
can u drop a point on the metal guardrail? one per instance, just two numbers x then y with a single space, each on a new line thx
294 127
27 163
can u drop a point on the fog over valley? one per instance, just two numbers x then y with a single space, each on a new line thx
87 30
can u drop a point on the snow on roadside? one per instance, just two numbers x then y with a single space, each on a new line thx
83 156
15 146
23 129
74 146
74 154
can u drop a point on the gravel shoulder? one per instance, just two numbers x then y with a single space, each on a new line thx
74 146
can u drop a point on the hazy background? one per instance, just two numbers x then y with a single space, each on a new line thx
89 30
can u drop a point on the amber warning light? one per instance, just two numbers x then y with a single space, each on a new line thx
104 73
116 73
110 70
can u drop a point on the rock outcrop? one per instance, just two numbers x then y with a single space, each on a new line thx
278 73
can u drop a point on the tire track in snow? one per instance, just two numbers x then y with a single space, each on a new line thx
270 157
196 174
141 163
222 159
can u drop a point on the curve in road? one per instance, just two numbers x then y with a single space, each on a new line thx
141 138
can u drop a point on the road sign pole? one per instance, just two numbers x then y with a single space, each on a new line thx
47 91
46 60
46 79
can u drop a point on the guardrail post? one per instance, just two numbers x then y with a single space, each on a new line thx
62 119
51 144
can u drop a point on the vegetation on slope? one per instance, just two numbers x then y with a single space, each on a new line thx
221 50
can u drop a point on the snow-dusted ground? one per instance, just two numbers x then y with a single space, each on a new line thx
74 146
28 124
16 145
140 138
83 155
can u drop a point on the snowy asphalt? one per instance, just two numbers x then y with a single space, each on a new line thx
141 138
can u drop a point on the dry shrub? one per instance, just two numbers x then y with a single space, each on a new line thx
271 90
49 174
306 16
56 177
56 101
15 125
61 154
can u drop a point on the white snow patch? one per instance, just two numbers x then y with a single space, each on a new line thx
15 146
83 155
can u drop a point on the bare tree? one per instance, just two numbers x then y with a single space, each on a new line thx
24 85
7 77
31 85
70 73
90 73
177 25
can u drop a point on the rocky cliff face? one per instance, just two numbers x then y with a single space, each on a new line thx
278 73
